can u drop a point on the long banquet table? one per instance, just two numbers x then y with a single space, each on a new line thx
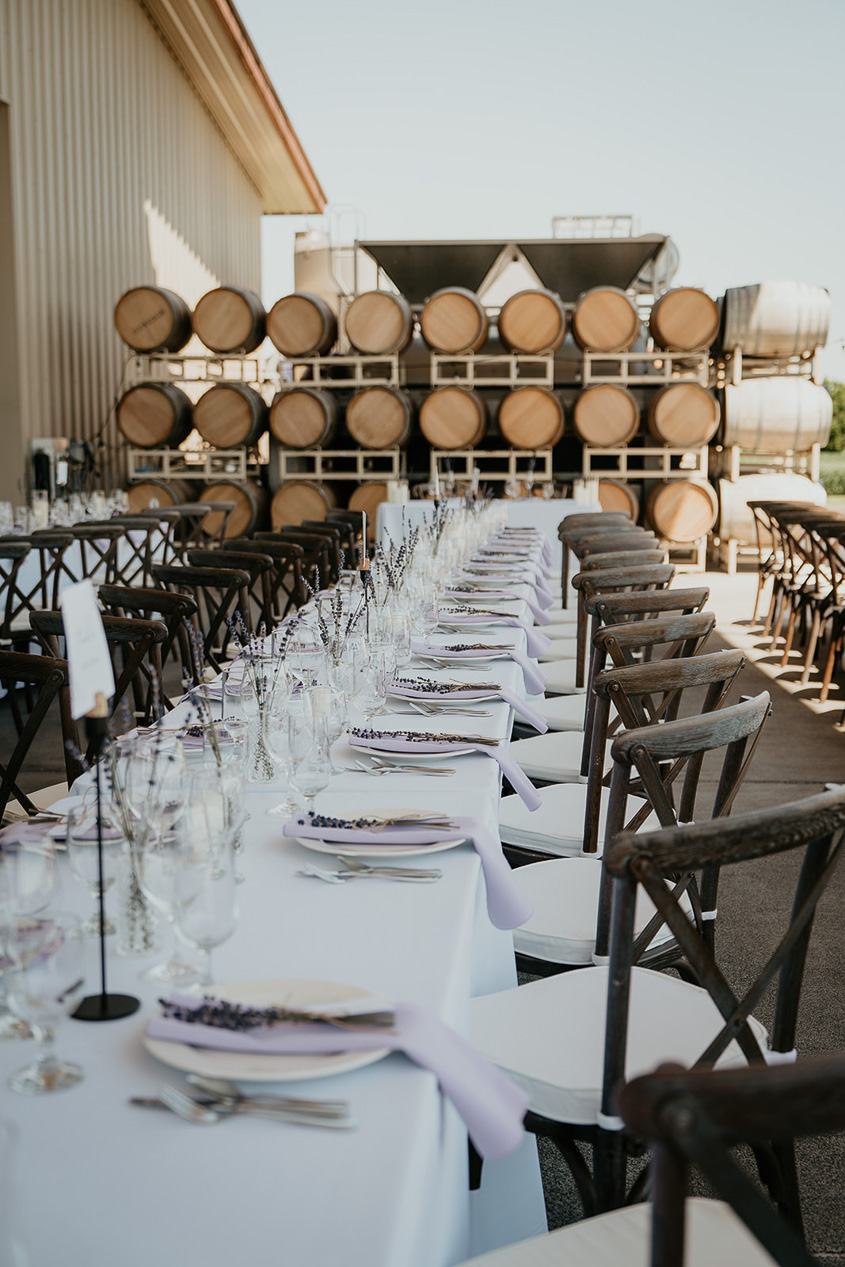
100 1181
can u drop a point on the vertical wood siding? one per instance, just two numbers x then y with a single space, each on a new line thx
119 178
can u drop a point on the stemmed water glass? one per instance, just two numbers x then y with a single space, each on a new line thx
277 744
29 882
373 679
205 890
310 752
84 859
44 981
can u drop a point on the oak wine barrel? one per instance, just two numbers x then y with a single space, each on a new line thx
159 494
605 320
230 414
150 319
296 500
533 321
250 500
773 415
454 321
301 324
453 418
774 319
230 319
531 418
380 417
303 418
379 323
684 320
736 522
617 495
154 414
606 415
368 496
685 415
682 510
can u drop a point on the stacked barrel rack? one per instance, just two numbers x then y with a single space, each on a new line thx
490 385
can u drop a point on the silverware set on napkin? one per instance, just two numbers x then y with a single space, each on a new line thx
354 870
375 767
222 1099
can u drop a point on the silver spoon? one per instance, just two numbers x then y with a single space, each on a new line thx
209 1115
223 1089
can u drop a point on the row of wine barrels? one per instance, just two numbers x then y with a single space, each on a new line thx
297 500
773 415
155 414
684 320
533 321
302 324
379 323
680 415
682 510
454 321
773 319
227 319
617 495
736 522
160 494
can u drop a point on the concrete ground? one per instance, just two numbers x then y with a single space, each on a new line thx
801 749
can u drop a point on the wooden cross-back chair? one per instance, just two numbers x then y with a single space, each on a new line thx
135 649
314 564
577 528
142 537
351 525
570 818
612 580
171 608
259 567
330 536
98 549
805 585
52 545
334 533
18 602
169 523
692 1121
49 678
815 825
188 523
220 595
286 589
549 1035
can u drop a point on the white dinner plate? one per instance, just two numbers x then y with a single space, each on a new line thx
376 851
409 758
461 657
248 1067
456 698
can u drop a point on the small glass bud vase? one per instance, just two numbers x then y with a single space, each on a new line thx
138 930
260 768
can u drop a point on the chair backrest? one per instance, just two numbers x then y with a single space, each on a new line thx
589 519
12 555
611 580
52 545
142 536
50 676
622 558
98 548
315 564
171 607
135 648
285 580
258 565
330 535
642 695
610 542
352 523
169 522
816 826
221 594
612 608
693 1118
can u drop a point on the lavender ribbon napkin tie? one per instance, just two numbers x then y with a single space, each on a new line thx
490 1104
507 905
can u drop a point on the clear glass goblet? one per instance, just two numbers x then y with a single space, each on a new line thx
205 906
310 754
45 980
84 860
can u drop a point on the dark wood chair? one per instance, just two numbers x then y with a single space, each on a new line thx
285 580
49 678
330 572
135 647
351 525
221 595
582 526
314 564
613 580
142 540
98 551
259 566
565 1038
170 607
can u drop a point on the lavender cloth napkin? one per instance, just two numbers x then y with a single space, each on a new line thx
515 775
23 833
535 641
475 596
507 905
532 675
490 1104
505 570
518 705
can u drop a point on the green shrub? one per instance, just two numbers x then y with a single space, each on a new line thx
836 443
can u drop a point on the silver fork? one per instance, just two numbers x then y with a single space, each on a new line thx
374 873
214 1112
432 710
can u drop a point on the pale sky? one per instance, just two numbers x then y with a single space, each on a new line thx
719 124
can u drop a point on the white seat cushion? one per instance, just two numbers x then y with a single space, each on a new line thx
555 756
713 1234
563 615
562 712
560 678
560 633
557 826
560 649
549 1035
565 896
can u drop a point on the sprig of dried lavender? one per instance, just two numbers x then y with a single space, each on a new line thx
219 1014
416 736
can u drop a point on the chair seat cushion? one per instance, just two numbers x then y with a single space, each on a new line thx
555 756
565 896
714 1234
557 826
563 615
559 649
549 1035
560 678
562 712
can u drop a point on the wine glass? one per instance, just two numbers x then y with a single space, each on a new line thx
374 678
277 744
310 753
44 982
84 858
305 657
29 881
158 862
205 892
335 705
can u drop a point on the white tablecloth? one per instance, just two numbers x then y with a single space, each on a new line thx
102 1182
527 512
